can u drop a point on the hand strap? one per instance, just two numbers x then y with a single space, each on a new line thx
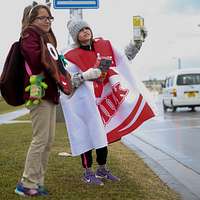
28 69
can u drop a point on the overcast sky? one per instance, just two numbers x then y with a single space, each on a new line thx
172 26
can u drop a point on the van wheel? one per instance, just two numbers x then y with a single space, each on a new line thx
192 108
173 107
164 107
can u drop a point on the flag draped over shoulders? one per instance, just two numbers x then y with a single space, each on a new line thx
102 112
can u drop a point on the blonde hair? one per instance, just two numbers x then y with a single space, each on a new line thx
31 12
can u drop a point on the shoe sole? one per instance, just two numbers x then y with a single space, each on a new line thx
24 195
100 177
105 177
20 193
90 183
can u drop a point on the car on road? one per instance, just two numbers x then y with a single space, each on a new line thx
182 89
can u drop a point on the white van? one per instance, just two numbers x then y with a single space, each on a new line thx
182 89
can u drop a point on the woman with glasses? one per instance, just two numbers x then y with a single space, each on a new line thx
36 34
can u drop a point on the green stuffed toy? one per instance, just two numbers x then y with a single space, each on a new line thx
37 90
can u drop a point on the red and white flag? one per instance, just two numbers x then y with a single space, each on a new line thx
101 113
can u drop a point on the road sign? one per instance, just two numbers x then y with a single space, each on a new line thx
66 4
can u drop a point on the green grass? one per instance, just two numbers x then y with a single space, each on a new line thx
24 117
4 107
63 178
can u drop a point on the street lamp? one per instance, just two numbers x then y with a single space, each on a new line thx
179 61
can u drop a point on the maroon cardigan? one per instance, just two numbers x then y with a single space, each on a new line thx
31 50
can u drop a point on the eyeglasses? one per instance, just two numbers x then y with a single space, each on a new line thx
85 28
44 18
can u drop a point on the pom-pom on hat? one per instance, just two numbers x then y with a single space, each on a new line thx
74 26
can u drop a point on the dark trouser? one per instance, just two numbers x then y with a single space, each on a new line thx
101 157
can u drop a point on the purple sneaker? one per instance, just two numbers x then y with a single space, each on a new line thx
90 178
104 173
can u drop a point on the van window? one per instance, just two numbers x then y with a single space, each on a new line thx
166 82
188 79
169 81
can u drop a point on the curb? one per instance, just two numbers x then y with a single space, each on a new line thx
164 175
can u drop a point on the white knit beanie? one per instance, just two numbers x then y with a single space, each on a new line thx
74 26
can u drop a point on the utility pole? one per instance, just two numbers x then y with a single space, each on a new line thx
179 63
75 7
48 3
74 13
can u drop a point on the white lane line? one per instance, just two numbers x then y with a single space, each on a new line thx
156 119
167 129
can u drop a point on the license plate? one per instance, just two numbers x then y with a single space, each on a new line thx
191 94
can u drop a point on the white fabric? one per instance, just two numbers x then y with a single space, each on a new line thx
85 126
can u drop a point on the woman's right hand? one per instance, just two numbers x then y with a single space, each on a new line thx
91 74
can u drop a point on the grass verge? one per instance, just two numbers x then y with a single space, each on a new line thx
4 107
63 178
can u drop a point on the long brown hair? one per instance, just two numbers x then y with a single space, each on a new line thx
30 13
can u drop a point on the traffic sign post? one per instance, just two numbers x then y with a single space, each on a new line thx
75 7
80 4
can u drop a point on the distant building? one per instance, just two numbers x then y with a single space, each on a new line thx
154 84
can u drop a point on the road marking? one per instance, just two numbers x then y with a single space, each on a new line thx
166 129
161 118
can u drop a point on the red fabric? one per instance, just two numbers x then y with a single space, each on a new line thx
31 50
87 59
120 131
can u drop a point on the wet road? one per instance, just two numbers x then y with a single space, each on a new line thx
172 139
176 133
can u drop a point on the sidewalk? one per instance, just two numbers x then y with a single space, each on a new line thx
8 117
179 177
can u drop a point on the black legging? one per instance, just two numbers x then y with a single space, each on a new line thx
101 157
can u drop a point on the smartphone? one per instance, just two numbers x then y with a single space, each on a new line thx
105 64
